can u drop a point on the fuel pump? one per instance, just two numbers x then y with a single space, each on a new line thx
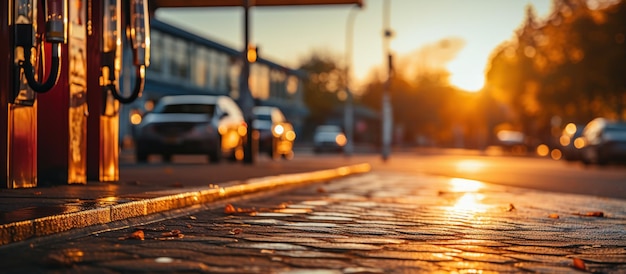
137 29
29 26
103 147
62 113
27 42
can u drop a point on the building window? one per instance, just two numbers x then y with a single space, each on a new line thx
180 59
259 81
213 68
156 52
200 71
221 72
234 77
292 85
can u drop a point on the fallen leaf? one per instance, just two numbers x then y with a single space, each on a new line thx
236 231
229 209
510 208
553 216
193 217
579 264
595 214
137 235
591 214
173 233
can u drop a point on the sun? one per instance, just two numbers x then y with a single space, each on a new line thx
466 76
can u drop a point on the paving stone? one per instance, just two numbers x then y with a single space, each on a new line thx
416 224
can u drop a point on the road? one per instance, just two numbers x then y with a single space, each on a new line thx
394 219
527 172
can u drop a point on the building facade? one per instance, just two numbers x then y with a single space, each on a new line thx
182 62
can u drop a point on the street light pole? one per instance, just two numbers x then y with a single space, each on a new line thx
386 100
246 102
349 108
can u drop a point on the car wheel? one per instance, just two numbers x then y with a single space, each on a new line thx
602 158
215 156
272 151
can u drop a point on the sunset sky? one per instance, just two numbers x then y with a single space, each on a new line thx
287 35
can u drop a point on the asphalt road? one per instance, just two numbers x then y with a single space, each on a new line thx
520 171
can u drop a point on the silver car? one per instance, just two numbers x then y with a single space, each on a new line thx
604 142
192 124
328 138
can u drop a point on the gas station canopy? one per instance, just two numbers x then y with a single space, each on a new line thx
155 4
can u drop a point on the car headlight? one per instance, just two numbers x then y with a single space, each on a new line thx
278 130
341 139
242 130
579 143
135 117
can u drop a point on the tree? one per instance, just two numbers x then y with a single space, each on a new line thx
322 88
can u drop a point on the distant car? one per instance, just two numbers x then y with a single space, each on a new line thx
192 124
328 138
571 141
604 142
512 141
276 134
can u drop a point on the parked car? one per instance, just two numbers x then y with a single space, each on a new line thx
512 141
192 124
571 141
276 134
328 138
604 142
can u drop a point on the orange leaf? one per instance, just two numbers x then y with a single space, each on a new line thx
595 214
236 231
229 209
553 216
137 235
579 264
173 233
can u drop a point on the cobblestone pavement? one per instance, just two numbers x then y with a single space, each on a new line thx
377 222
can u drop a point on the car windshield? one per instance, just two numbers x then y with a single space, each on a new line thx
331 129
264 117
189 108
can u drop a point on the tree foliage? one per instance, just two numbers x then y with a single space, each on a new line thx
570 65
322 88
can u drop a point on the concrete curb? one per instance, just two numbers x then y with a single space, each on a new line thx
24 230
